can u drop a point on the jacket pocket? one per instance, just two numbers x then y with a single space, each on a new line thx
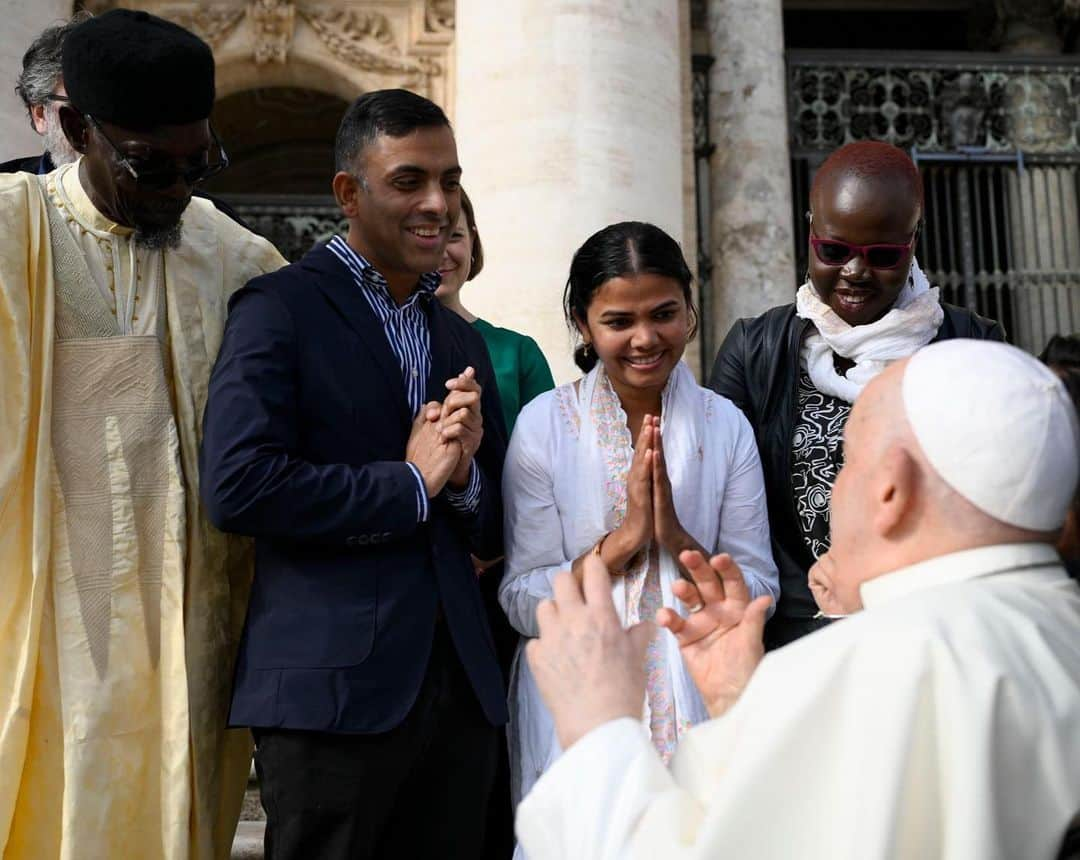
309 637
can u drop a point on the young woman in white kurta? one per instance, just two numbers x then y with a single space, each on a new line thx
634 461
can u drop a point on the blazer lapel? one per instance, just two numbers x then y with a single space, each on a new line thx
337 284
445 360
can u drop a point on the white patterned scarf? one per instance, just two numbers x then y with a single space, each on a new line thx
911 323
603 462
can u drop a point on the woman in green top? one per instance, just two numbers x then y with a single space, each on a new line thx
521 371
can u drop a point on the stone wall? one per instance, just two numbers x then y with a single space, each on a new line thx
23 21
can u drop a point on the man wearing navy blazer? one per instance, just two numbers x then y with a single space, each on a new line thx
353 428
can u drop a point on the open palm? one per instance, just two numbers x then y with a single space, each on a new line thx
722 642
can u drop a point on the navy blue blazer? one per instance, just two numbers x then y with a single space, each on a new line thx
304 445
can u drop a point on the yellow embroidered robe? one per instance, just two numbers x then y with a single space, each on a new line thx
120 606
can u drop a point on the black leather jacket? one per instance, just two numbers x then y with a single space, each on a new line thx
757 368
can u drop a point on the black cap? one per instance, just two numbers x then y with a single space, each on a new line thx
138 71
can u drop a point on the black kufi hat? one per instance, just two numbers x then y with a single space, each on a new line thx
138 71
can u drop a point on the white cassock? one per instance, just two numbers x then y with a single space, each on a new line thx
943 721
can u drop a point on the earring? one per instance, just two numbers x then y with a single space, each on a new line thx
585 349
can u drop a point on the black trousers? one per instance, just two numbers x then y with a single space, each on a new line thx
499 841
420 790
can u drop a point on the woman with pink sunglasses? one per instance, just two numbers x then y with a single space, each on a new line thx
796 369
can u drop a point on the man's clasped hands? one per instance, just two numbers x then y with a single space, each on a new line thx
445 436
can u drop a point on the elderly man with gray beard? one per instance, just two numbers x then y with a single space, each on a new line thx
940 720
40 79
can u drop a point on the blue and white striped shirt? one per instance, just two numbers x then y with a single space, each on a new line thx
407 332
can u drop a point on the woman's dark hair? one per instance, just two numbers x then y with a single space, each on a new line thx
1062 351
476 258
626 248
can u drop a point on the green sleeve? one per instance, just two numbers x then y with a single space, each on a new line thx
535 374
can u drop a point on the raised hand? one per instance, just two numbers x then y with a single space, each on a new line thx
721 641
435 457
461 421
637 528
667 530
589 670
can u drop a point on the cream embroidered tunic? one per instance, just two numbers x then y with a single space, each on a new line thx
121 606
128 277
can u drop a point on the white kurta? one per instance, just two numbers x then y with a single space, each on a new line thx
564 482
941 722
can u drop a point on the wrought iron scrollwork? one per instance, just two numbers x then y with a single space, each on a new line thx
934 104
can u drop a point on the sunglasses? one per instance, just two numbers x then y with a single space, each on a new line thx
158 179
833 252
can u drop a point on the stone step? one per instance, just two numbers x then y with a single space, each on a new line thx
248 844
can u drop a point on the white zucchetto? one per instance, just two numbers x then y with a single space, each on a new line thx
999 428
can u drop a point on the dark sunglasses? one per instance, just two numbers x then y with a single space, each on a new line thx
833 252
160 178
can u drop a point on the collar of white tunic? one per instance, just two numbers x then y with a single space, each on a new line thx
83 208
957 567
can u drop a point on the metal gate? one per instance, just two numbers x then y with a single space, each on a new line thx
998 143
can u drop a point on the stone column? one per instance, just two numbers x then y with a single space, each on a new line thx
753 258
22 23
569 117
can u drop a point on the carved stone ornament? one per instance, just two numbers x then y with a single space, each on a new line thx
212 24
365 41
439 15
273 23
362 38
1032 26
1040 114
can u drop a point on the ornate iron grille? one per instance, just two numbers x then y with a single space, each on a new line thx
292 222
934 103
998 143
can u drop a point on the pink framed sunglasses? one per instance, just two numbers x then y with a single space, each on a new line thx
833 252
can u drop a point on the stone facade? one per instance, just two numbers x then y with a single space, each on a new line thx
343 48
22 23
570 117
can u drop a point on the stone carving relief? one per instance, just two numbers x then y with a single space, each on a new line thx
1026 26
962 108
439 15
365 40
406 43
212 24
273 23
1041 114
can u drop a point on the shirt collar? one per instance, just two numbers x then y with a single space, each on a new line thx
956 567
78 201
368 276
